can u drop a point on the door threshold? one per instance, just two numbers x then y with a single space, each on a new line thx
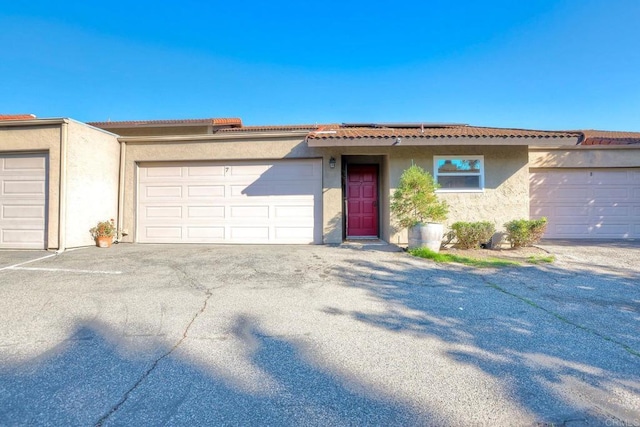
361 238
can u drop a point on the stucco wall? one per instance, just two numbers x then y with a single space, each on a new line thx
41 139
236 149
505 196
93 162
586 157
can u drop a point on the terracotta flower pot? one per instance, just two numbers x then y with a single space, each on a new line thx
104 241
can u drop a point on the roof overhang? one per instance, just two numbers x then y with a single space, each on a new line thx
555 141
585 147
33 122
217 137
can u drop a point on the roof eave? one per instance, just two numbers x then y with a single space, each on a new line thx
33 122
550 141
153 125
213 137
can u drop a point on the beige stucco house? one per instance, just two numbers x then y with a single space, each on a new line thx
217 181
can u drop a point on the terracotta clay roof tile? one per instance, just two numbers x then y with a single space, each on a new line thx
453 131
17 116
601 137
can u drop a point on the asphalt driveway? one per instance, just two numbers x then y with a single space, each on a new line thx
317 335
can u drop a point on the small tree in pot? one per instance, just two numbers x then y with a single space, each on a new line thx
417 207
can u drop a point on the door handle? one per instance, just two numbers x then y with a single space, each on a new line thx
375 203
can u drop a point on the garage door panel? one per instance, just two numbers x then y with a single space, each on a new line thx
256 212
289 233
611 211
232 202
608 229
155 232
164 172
241 171
587 203
543 193
601 194
205 190
163 192
23 211
205 233
288 212
22 237
609 178
239 190
163 212
561 178
569 194
295 171
205 212
17 187
540 211
19 163
249 233
206 171
570 212
571 230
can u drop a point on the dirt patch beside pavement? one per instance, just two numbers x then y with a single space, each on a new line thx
519 255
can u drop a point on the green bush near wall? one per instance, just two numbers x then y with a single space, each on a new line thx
525 232
471 235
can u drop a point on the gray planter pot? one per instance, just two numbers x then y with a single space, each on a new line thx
426 235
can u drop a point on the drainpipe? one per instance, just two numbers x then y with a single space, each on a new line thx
62 196
123 151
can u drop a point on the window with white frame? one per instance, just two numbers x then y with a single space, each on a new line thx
459 173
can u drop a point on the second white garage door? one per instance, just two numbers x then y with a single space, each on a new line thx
230 202
587 203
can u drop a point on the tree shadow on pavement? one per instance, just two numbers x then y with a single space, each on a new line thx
91 380
562 363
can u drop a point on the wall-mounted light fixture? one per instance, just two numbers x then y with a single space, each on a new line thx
332 163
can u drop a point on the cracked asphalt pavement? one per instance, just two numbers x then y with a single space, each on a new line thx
318 335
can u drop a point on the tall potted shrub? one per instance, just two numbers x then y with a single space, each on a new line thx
417 207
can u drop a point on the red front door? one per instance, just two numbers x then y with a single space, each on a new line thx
362 201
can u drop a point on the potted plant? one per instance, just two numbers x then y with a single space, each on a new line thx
417 207
103 233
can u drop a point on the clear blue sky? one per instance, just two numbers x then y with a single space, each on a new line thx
542 64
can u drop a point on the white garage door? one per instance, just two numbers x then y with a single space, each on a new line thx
593 203
230 202
23 184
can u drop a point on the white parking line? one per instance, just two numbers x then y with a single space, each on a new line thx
69 270
26 262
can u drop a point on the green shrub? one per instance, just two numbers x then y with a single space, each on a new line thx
471 234
525 232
